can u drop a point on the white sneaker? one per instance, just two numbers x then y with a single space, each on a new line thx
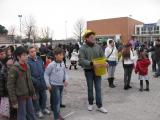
40 115
103 110
90 107
46 111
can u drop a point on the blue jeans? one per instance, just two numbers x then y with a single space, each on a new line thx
111 71
40 102
91 79
56 93
25 109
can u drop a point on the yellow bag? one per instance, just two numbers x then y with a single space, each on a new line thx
101 69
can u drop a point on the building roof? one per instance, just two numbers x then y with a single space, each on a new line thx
129 18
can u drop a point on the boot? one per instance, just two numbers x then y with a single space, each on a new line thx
75 67
129 86
125 85
141 85
112 82
70 67
109 82
147 85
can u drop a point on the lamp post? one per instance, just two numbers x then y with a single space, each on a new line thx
20 30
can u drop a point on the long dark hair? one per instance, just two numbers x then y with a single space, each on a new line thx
126 52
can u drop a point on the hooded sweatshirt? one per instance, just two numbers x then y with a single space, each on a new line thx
108 51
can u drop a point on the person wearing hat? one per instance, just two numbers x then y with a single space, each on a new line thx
89 51
156 49
128 64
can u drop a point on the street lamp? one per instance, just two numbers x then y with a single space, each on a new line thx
20 31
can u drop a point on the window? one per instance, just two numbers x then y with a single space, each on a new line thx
156 30
143 30
137 31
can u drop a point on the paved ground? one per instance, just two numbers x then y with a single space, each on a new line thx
122 105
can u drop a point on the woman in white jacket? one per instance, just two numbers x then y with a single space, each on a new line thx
111 54
128 64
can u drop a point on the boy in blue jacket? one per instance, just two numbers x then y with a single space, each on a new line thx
37 74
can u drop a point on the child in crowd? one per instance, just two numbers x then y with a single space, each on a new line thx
142 69
20 86
37 74
56 77
74 59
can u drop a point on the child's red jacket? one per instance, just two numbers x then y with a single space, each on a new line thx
142 66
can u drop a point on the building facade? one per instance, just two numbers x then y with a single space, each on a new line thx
147 32
119 29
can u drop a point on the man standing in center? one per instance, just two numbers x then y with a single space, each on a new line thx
89 51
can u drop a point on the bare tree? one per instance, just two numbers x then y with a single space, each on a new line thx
12 32
35 35
78 29
47 34
29 27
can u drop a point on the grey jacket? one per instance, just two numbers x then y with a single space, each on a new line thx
87 54
55 74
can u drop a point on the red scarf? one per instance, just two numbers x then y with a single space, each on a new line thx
24 66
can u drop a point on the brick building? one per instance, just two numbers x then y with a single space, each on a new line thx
117 28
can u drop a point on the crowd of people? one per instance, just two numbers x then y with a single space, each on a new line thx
26 73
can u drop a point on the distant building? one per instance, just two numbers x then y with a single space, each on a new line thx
147 32
119 29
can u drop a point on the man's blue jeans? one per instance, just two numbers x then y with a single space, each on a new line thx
25 109
40 102
93 80
56 93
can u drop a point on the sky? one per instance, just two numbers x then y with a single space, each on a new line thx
61 15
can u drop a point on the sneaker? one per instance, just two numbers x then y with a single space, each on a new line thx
40 115
90 107
103 110
46 111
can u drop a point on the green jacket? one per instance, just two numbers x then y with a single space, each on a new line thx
87 54
17 84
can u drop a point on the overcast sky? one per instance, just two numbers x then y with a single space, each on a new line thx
54 13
